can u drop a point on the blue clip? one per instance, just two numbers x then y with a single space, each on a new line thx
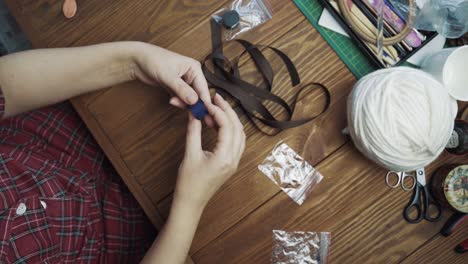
199 110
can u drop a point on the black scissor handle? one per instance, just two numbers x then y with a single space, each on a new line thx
453 222
429 203
415 203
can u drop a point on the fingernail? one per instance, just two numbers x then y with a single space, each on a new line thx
172 101
218 95
192 98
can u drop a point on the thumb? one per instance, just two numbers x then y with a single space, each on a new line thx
193 144
186 93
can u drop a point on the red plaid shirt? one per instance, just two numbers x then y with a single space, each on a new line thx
60 200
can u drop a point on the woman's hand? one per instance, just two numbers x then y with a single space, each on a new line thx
200 176
202 172
181 76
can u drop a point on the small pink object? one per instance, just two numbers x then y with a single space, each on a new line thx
69 8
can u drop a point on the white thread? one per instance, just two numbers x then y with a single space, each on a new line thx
401 118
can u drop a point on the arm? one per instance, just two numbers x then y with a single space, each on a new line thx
200 176
173 242
37 78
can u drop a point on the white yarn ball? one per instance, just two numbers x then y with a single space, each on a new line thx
401 118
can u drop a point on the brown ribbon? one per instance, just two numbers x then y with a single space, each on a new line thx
226 78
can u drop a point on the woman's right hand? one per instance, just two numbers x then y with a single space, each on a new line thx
203 172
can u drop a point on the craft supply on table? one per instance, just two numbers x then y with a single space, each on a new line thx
449 185
464 113
449 67
401 118
463 40
404 29
361 20
458 143
448 17
239 16
374 15
347 49
462 247
69 8
256 100
437 43
295 176
231 19
401 179
364 20
300 247
451 225
199 110
422 203
394 23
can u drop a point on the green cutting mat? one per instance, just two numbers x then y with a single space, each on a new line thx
346 49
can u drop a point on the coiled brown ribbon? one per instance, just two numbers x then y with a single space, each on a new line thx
226 78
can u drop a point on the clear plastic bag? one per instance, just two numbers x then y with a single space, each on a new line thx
448 17
295 176
300 247
243 16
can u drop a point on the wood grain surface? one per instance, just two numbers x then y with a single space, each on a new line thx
143 137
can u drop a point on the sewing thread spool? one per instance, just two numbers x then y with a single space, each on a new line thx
401 118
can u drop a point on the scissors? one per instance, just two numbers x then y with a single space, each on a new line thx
422 201
401 179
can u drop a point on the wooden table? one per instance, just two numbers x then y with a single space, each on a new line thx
143 137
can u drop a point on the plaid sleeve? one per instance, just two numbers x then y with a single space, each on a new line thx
2 103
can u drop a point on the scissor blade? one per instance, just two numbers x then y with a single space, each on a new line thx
421 176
